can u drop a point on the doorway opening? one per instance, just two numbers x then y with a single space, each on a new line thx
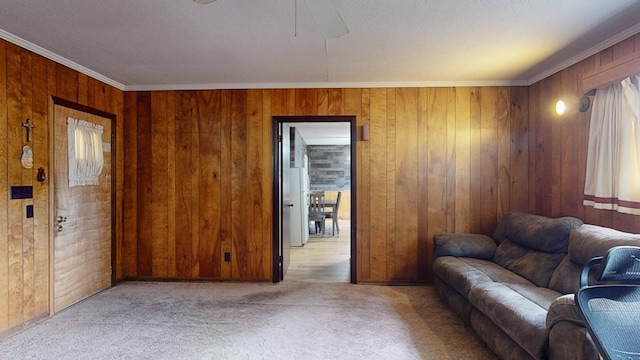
314 155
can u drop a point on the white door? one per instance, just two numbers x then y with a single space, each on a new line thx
82 221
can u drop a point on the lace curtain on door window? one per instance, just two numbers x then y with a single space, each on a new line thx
85 152
613 159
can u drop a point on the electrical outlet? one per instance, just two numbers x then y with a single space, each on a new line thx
227 256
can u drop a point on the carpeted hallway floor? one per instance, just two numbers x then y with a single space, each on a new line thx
289 320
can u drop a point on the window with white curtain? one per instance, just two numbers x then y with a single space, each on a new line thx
85 152
613 160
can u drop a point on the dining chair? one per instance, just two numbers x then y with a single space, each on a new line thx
333 215
317 210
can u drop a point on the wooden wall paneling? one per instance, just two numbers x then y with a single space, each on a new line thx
428 167
267 178
28 236
226 183
433 156
323 101
571 191
336 102
555 165
518 118
241 218
158 155
83 90
195 184
390 185
209 198
475 215
52 78
258 242
130 210
489 159
171 183
451 169
330 102
278 101
184 168
462 165
97 94
15 140
483 113
612 64
4 191
543 149
377 225
406 184
306 102
504 154
144 190
534 100
582 139
363 187
41 220
66 83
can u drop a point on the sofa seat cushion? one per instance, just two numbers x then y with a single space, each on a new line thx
463 274
518 309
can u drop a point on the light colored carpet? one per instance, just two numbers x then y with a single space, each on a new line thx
289 320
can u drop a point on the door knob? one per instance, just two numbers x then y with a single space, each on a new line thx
61 219
59 228
290 205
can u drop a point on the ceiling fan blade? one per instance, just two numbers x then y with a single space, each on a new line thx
327 18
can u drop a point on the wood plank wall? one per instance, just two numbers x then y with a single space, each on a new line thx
199 183
559 144
27 81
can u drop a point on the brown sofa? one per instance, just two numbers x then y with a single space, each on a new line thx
516 289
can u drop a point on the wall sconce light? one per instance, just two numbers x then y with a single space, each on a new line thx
365 132
561 107
582 105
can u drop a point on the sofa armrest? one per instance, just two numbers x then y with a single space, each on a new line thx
464 245
564 308
568 336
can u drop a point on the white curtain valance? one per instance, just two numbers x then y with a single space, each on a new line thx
613 159
85 152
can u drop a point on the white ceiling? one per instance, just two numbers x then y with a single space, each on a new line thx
180 44
325 133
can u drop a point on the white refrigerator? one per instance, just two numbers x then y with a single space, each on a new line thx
300 211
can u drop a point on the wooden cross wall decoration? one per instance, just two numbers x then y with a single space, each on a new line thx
29 125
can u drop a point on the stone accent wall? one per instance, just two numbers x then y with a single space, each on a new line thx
329 167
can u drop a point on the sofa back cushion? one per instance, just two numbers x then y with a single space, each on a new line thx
535 266
586 242
589 241
550 235
532 246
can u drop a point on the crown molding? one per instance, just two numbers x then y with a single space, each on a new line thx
325 85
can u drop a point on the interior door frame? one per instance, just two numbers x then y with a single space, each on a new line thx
56 101
277 190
